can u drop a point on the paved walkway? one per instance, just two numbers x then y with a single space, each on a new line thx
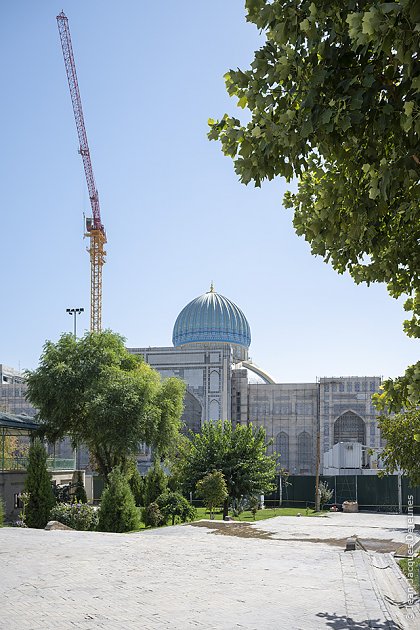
288 574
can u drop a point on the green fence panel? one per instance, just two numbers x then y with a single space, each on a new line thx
373 493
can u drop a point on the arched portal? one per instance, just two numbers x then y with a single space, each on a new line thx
349 427
304 452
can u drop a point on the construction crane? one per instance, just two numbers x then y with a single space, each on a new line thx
94 227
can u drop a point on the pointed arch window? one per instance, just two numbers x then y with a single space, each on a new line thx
304 449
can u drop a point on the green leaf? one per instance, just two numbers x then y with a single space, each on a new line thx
243 101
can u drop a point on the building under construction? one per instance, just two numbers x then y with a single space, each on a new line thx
211 339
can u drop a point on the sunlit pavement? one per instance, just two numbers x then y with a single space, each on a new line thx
284 573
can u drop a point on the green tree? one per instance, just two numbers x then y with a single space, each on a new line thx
94 390
173 505
325 494
118 511
80 492
213 490
155 483
402 450
254 505
239 453
137 487
38 487
334 102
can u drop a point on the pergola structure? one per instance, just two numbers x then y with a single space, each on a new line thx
14 426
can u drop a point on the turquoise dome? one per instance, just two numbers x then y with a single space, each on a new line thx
212 318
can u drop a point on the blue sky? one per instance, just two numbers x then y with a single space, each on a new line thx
150 75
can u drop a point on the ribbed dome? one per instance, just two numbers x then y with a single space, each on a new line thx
211 317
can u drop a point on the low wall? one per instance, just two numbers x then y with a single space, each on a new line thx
12 483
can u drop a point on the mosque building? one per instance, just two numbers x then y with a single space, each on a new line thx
211 338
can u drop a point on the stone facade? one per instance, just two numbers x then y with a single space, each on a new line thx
291 413
206 369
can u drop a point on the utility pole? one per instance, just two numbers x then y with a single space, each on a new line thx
318 449
74 312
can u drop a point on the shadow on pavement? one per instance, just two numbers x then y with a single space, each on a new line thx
342 622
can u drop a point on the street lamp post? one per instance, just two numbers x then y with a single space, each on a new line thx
74 312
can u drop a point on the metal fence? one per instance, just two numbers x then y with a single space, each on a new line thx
53 463
372 493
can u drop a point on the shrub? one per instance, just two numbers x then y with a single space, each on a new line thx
173 505
78 516
118 512
80 492
325 494
254 505
152 516
155 484
137 487
38 487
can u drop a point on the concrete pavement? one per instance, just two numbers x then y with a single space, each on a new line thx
287 573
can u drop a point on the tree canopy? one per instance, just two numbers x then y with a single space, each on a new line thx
402 450
94 390
239 453
212 488
334 102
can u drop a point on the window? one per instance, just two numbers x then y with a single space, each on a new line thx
282 448
304 449
349 387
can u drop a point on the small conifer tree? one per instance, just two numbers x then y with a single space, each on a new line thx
38 487
137 487
118 512
80 492
155 484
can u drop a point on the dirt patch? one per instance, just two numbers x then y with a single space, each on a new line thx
234 528
244 530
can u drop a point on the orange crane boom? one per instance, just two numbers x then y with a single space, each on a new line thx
94 227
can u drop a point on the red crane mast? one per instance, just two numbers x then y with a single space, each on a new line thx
94 227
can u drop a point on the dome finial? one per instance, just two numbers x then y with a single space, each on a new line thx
211 287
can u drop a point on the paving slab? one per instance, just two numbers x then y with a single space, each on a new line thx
195 577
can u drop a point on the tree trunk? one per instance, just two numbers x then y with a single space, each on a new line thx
225 508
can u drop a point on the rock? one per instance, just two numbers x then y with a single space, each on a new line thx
350 506
52 525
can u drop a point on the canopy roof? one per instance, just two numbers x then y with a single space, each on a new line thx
20 423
